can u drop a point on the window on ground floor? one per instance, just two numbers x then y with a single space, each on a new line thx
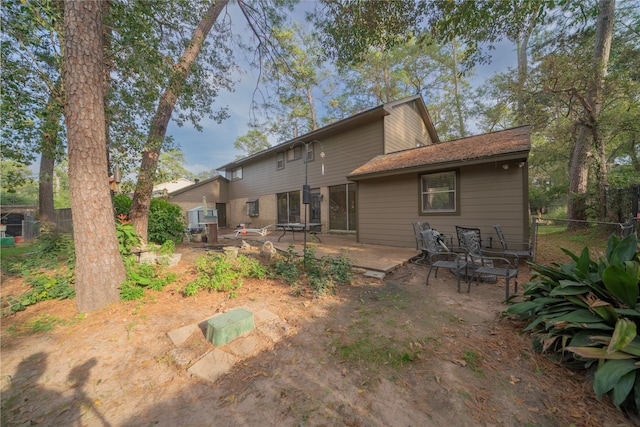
288 207
438 192
253 208
342 207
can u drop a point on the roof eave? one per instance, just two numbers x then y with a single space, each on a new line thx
515 155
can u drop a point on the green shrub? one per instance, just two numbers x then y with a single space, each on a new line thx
217 272
122 204
321 275
141 276
165 222
587 313
43 287
165 219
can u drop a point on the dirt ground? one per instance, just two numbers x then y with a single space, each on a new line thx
391 352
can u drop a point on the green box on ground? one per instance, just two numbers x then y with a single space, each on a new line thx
7 242
226 327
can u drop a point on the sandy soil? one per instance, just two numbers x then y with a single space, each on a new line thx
390 352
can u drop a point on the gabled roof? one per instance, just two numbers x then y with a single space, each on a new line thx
172 186
199 184
502 145
359 119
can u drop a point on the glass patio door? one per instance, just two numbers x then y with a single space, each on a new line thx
342 207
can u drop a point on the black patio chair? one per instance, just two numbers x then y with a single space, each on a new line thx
482 264
418 227
526 253
438 257
460 230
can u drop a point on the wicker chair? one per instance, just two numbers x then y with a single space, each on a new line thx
439 258
482 264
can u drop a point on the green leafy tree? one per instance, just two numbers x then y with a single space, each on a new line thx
171 166
253 142
32 95
174 88
17 186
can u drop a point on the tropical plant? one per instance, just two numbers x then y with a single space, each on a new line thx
587 313
127 236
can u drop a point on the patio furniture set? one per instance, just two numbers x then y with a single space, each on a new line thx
470 259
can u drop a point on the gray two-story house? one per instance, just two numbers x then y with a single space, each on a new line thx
375 173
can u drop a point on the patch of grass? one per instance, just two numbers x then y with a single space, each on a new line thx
473 360
378 351
42 323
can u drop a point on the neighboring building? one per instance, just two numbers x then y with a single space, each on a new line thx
168 188
214 190
375 173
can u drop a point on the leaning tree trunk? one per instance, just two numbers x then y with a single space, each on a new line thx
588 131
50 139
99 267
139 213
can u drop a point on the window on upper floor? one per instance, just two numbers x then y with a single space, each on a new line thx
439 192
235 174
294 153
280 160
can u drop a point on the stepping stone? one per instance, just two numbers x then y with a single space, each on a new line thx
212 366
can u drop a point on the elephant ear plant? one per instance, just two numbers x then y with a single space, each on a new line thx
587 312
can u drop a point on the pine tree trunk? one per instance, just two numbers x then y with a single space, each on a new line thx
139 213
99 267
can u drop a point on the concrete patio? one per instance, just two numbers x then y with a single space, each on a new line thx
369 257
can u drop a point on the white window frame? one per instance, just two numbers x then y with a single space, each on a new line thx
425 191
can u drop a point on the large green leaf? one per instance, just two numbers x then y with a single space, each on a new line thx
606 312
623 334
523 307
599 353
624 386
586 338
619 251
633 347
610 373
579 316
629 312
621 284
569 290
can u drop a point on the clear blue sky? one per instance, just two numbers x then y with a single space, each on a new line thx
213 147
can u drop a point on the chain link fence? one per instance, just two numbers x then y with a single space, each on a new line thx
550 235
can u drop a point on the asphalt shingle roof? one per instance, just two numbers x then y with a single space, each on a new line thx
487 145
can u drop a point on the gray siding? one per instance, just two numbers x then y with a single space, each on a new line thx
488 196
343 154
405 128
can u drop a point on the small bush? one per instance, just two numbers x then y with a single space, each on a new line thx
217 272
165 222
165 219
321 275
141 276
127 236
43 287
